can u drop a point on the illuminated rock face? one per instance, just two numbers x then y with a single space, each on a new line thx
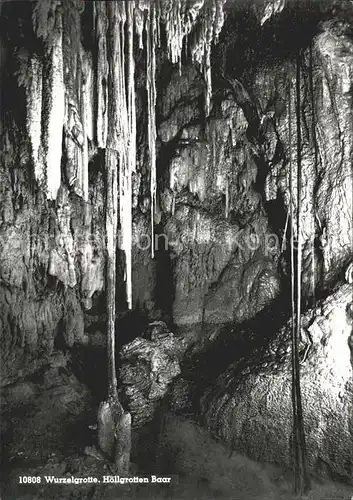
326 217
52 264
215 222
218 187
250 406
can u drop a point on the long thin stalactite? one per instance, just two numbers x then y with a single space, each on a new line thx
316 156
301 479
189 26
151 36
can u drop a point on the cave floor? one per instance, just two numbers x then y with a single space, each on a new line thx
46 428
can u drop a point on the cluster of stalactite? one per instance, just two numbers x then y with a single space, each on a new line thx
296 185
272 7
66 94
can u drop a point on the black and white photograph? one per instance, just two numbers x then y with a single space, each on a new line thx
176 250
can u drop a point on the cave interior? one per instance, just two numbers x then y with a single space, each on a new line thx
176 249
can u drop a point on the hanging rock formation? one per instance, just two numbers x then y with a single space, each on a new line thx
251 401
180 116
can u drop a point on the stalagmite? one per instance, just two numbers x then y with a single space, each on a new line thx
55 114
151 97
34 116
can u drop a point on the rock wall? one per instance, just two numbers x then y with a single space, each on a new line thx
226 201
222 180
250 406
326 120
52 264
52 253
224 264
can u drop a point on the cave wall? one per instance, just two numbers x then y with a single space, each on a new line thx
326 119
221 272
227 194
222 179
52 253
250 405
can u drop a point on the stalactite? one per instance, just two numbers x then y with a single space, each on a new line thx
34 116
55 113
209 33
171 16
208 79
283 246
84 168
292 268
88 96
151 98
94 16
113 422
74 143
125 131
43 19
179 18
87 121
211 25
301 481
227 198
113 158
314 140
272 8
173 203
102 74
158 22
139 25
131 109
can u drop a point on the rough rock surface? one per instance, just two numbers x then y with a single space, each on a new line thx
52 263
148 366
327 148
250 405
222 180
224 263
